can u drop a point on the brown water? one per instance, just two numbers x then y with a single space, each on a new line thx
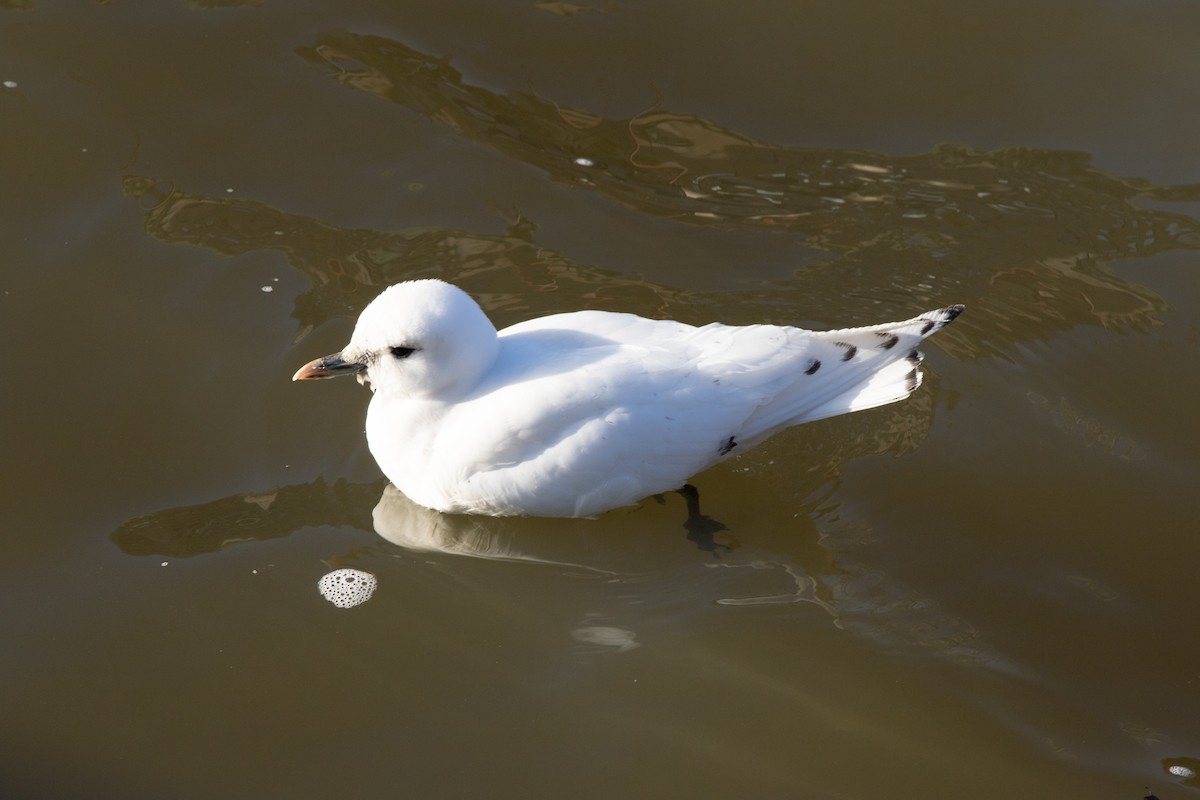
988 591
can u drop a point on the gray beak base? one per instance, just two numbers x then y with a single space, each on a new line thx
328 367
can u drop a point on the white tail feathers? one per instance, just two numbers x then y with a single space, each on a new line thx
851 370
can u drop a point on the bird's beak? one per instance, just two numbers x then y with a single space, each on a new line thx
328 367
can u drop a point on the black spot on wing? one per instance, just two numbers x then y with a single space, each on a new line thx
889 339
912 380
726 446
850 349
928 326
812 369
915 356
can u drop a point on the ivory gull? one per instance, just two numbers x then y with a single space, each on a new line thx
573 414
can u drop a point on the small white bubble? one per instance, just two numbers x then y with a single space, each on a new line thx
1181 771
163 564
230 191
585 162
268 288
10 84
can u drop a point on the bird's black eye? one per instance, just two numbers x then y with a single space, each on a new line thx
403 352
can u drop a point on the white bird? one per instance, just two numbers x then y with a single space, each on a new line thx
573 414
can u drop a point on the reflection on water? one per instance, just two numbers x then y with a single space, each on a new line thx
255 516
799 588
998 614
606 637
1023 236
867 603
952 203
1093 433
208 527
680 166
413 527
1020 235
348 267
741 577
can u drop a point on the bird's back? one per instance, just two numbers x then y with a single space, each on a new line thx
588 411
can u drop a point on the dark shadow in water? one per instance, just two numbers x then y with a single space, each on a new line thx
680 166
707 533
1018 233
348 267
209 527
1021 235
206 528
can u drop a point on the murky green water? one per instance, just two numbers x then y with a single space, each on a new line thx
988 591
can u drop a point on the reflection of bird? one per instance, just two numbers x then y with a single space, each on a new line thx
401 521
573 414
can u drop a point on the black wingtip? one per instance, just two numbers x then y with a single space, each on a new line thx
941 318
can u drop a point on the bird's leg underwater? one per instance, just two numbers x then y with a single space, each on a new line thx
701 529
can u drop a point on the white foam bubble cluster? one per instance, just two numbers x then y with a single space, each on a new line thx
346 588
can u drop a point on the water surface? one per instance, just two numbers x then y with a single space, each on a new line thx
986 591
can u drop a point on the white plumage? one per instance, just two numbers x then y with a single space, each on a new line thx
574 414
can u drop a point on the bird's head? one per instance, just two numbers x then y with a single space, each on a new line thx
422 338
